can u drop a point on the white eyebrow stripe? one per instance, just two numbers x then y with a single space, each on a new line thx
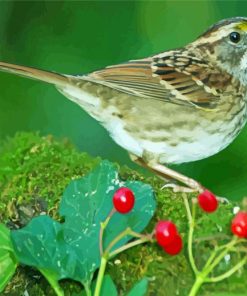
221 33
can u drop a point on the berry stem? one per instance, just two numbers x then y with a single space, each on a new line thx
217 260
215 257
130 245
127 231
213 261
102 228
105 255
217 249
100 277
236 241
187 207
191 222
241 250
210 259
228 273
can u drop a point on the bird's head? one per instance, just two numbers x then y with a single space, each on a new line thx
225 44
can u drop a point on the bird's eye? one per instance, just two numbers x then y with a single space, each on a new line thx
235 37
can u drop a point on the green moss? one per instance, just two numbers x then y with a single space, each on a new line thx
34 171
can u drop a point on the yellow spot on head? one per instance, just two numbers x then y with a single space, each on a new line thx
242 26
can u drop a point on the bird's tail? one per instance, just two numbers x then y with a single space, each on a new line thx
28 72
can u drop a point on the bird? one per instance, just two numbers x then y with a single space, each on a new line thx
177 106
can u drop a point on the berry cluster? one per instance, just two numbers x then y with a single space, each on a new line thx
168 237
166 232
209 203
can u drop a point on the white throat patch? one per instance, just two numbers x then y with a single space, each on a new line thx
243 69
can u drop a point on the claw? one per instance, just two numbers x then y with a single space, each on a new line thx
223 200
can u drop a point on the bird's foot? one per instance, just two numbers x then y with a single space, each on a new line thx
223 200
182 189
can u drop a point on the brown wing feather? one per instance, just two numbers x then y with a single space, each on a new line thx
134 77
33 73
175 78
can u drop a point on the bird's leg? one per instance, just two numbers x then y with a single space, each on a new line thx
192 185
141 162
168 174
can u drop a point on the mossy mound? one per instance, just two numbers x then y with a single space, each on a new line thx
34 172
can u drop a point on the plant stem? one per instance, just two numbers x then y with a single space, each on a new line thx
217 249
241 250
102 228
127 231
221 255
201 277
191 222
129 245
197 284
52 281
106 255
211 258
187 207
100 276
236 241
228 273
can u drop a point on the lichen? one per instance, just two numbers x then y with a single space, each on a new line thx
34 172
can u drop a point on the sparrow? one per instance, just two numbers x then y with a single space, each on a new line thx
173 107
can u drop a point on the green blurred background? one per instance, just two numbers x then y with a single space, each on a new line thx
79 37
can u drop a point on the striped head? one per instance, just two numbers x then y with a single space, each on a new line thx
225 45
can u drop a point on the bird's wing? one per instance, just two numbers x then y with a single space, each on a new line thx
174 78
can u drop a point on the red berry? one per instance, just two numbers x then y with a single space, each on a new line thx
165 232
239 224
208 201
175 246
123 200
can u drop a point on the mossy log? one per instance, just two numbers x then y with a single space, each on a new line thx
34 172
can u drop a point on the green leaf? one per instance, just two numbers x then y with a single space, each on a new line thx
71 249
108 287
53 280
8 262
140 289
87 202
